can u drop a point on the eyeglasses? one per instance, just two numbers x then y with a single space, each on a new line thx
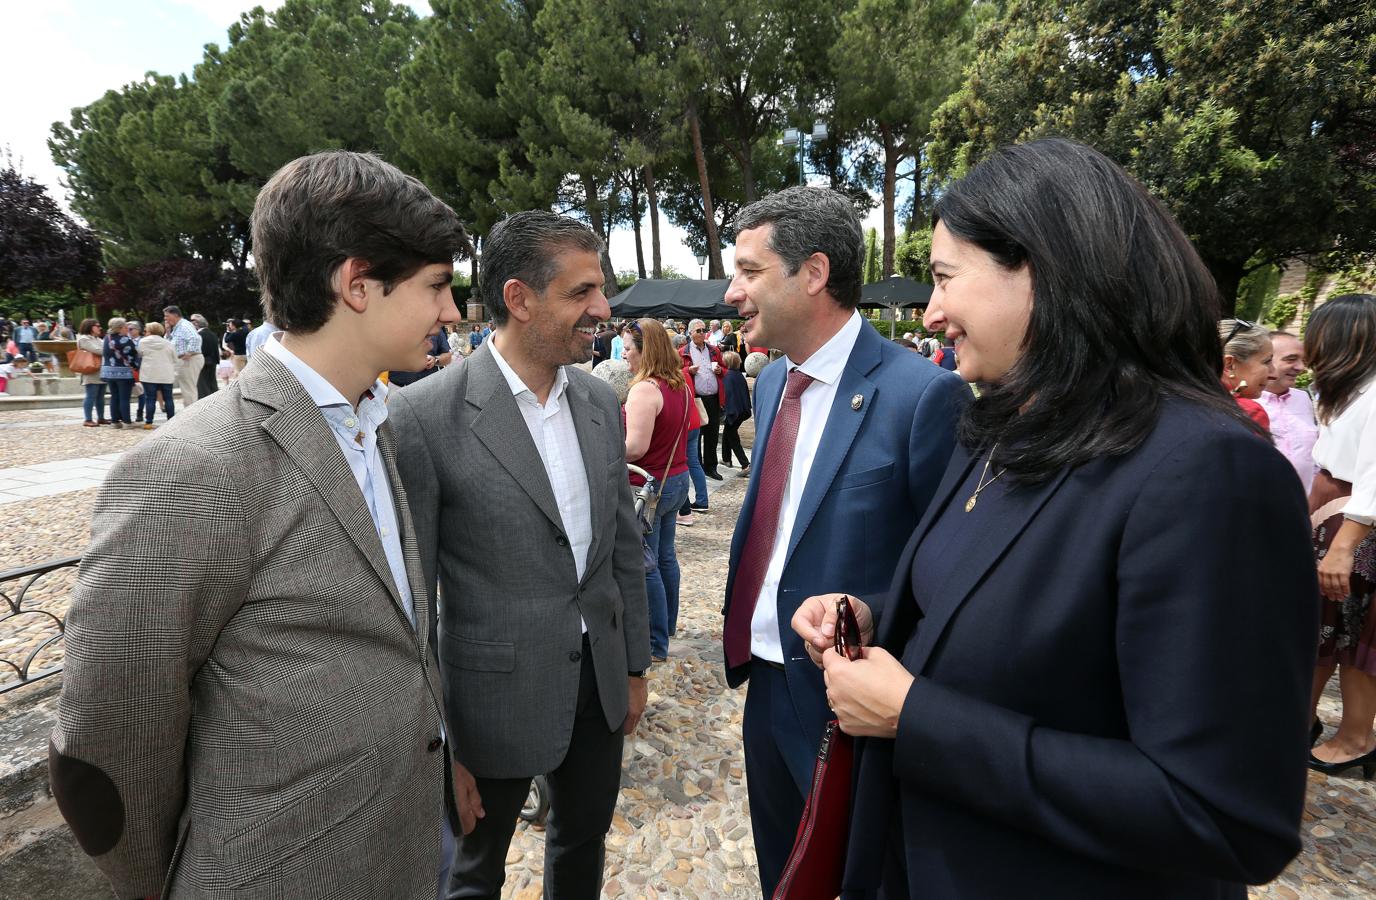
699 331
1239 325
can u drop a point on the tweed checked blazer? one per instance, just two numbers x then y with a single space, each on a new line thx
246 710
491 535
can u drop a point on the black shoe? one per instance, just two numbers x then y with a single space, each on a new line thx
1315 731
698 507
714 475
1367 761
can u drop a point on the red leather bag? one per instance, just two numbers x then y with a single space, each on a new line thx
818 859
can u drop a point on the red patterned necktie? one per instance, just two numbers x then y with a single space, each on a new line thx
764 520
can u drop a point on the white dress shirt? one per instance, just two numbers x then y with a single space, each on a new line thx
364 461
1347 449
825 367
705 381
556 440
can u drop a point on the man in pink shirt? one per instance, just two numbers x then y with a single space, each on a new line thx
1291 411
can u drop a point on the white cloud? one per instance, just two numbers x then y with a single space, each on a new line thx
49 76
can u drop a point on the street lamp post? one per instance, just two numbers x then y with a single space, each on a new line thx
794 137
702 261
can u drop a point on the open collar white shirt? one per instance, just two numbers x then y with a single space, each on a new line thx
356 433
825 367
556 440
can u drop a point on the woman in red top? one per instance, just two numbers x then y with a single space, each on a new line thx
1247 365
658 410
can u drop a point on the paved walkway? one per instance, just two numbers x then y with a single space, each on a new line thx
49 478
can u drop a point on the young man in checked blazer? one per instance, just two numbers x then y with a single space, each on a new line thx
256 712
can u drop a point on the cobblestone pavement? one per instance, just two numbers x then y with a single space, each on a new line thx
682 823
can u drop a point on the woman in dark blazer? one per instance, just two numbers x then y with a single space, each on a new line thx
1089 679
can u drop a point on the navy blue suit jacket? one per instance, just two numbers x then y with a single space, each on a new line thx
1112 694
875 470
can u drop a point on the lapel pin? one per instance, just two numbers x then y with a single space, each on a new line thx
857 401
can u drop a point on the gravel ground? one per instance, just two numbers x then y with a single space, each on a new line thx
682 823
34 436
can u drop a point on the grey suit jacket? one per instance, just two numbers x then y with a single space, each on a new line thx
490 533
246 709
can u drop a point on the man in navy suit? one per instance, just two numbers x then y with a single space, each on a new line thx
853 435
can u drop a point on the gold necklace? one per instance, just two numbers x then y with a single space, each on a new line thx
970 504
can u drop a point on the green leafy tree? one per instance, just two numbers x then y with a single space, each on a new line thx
914 254
452 117
305 77
42 251
1251 120
144 173
896 61
872 251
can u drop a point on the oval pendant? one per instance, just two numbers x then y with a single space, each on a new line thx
970 504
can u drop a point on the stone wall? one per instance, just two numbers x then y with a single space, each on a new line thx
39 858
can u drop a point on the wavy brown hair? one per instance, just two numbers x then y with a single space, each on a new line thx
658 359
1340 346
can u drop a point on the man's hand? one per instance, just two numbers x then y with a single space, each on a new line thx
429 361
867 695
640 692
466 798
692 370
815 623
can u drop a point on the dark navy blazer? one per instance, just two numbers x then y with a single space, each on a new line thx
877 466
1112 695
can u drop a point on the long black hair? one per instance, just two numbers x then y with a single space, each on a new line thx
1340 346
1123 309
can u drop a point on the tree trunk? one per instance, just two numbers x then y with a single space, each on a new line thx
890 188
748 175
657 270
715 269
1227 275
635 219
595 219
916 214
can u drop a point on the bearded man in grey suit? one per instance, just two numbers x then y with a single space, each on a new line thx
253 710
515 467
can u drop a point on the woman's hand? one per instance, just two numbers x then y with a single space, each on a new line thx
867 695
815 623
1335 572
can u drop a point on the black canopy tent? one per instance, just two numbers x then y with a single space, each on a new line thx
895 293
677 298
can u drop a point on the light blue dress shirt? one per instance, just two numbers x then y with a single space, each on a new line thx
257 337
356 433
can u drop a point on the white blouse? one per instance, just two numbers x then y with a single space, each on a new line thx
1347 449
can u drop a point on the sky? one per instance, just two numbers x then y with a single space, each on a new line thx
60 54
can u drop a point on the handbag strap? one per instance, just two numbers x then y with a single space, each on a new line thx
674 449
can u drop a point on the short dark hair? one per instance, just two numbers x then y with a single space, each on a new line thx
171 310
87 326
524 246
810 220
319 210
1124 312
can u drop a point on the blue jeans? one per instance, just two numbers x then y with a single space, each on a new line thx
148 403
695 471
94 405
661 582
120 389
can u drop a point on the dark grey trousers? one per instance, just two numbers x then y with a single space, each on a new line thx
583 792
